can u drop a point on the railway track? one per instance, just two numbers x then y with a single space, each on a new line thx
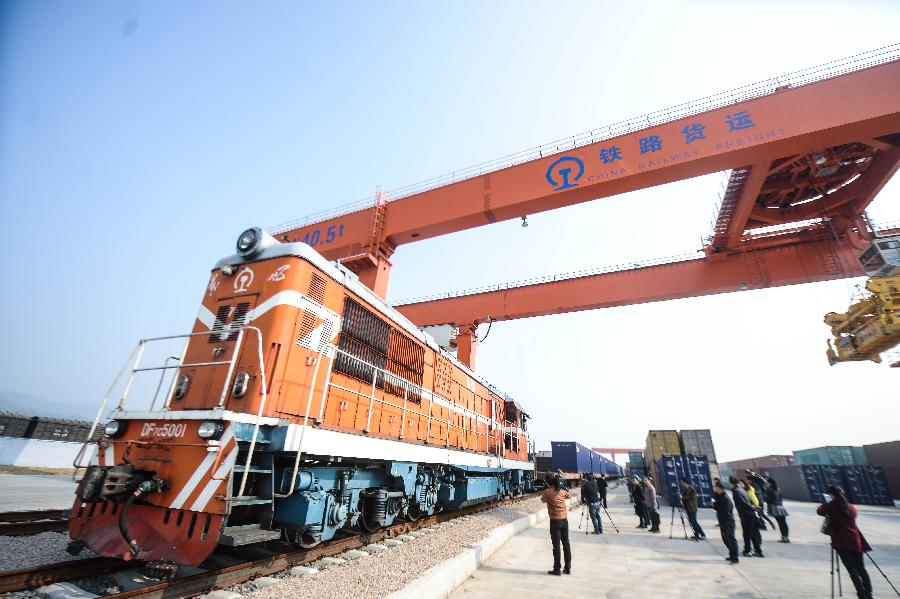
33 522
204 582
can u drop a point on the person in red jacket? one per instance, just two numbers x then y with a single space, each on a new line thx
847 539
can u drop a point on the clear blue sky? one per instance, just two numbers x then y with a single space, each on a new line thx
137 139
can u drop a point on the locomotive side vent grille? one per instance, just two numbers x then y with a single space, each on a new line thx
317 287
365 336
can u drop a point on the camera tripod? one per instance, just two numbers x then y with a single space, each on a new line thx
584 516
672 521
836 570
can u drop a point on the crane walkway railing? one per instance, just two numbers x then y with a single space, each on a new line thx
827 70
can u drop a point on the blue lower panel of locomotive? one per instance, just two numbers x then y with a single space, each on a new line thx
366 495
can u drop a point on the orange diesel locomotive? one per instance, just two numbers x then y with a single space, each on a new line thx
303 404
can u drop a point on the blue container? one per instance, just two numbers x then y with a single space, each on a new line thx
571 457
879 492
671 469
857 485
814 482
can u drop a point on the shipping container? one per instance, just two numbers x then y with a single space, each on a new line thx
864 485
543 461
672 469
832 455
660 443
879 490
859 456
760 464
571 457
887 457
698 442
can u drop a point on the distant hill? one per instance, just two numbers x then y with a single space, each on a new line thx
29 405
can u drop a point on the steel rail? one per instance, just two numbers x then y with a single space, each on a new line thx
33 522
31 578
38 576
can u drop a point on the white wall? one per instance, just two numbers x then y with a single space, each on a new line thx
36 452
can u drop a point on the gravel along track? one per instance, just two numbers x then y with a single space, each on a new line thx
382 573
35 550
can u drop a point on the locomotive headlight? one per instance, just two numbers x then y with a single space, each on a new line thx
210 429
115 428
249 241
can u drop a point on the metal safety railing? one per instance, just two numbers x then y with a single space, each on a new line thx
409 388
751 91
136 368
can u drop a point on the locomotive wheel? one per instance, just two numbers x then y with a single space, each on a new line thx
366 525
413 512
299 538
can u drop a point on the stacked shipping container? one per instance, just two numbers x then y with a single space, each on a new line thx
671 469
698 442
865 485
660 443
887 457
832 455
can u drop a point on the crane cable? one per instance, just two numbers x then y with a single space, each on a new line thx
490 324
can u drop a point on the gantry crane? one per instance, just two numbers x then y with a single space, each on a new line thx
808 152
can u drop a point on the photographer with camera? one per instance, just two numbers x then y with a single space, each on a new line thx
650 504
725 515
555 497
689 499
637 495
749 520
591 498
602 485
846 538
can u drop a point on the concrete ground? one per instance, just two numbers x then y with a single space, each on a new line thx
636 563
20 492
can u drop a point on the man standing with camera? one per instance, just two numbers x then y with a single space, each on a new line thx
652 515
555 497
591 497
689 499
602 484
749 520
725 515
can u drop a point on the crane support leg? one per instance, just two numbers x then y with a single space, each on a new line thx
374 274
466 343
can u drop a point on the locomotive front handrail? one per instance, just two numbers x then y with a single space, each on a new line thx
262 405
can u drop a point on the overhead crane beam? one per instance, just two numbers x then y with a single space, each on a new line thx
811 261
791 120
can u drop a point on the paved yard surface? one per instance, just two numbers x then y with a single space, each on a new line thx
637 563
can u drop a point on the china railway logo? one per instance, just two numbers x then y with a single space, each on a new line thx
278 273
243 280
560 175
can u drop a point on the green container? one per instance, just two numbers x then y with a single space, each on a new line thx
832 455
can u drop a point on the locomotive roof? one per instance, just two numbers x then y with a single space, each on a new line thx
344 276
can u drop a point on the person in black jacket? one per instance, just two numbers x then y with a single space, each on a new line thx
760 486
591 497
749 519
637 494
602 484
725 515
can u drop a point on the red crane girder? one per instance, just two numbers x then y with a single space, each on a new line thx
788 123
